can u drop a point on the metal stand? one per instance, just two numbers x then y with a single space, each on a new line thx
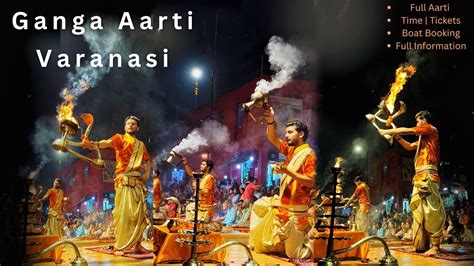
388 259
250 261
80 261
194 258
330 259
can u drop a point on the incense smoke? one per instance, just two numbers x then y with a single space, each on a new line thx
101 42
45 133
285 59
211 133
414 58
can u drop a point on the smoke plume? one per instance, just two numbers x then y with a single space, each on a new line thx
211 133
101 42
285 59
414 58
192 142
45 133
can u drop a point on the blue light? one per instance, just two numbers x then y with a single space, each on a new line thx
251 158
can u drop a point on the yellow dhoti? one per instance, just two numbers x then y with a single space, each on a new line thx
428 211
295 234
362 218
263 226
55 224
269 233
129 212
55 220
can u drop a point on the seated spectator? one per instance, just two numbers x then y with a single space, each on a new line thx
244 215
172 207
388 229
380 231
80 231
107 234
235 195
407 233
374 229
231 214
448 232
222 214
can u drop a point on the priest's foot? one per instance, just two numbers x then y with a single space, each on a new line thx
434 250
139 249
119 253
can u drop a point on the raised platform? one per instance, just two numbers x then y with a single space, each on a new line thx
236 255
35 244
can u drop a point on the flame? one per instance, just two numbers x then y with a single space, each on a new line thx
66 108
338 162
401 76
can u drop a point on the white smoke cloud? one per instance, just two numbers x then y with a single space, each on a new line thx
192 142
210 134
414 57
285 59
45 132
101 42
34 173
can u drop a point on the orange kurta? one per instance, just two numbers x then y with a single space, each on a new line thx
362 193
123 146
206 198
296 193
156 192
55 213
428 153
426 203
284 229
56 197
207 183
130 200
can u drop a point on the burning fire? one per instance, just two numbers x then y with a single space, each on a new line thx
401 76
338 162
66 109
